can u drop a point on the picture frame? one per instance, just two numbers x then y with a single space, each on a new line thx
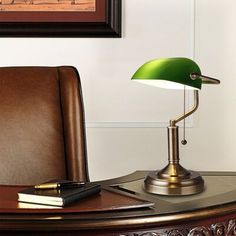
105 22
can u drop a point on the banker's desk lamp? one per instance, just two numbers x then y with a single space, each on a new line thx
174 73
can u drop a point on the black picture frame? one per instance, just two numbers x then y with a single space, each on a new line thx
109 28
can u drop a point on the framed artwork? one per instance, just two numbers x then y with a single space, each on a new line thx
60 18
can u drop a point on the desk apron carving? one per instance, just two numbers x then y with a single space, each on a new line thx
226 228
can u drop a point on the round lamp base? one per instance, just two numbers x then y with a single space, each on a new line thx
192 183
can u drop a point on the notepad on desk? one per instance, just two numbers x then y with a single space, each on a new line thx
58 196
84 196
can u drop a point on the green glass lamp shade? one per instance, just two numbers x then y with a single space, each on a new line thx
171 73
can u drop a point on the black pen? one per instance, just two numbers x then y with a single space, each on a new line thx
59 185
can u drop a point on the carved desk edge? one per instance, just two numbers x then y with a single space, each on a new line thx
225 228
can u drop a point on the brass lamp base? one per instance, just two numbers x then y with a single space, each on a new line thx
174 180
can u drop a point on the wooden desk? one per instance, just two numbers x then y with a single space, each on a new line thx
210 213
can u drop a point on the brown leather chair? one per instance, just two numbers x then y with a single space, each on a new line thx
42 130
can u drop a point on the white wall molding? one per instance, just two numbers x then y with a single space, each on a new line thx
188 124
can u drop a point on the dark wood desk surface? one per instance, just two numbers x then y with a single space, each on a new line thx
212 212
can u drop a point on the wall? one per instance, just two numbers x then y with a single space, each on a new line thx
213 135
126 121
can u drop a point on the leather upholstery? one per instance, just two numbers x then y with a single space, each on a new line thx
42 132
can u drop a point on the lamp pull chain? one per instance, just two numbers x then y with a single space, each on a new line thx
184 141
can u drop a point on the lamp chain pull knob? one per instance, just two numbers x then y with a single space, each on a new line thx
184 141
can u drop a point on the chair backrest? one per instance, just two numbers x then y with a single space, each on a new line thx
42 130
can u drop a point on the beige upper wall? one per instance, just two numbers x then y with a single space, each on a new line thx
151 29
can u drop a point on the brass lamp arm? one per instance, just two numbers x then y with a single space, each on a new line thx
205 80
194 108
